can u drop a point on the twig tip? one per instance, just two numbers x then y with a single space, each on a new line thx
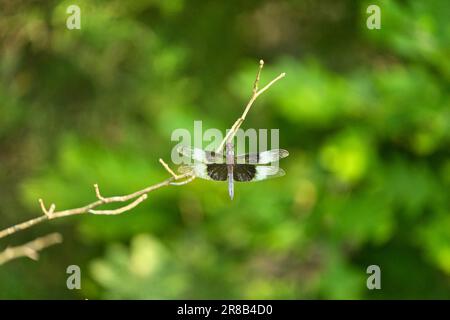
43 208
97 192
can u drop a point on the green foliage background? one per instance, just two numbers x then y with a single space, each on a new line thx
364 113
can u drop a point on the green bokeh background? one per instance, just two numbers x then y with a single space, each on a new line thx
364 113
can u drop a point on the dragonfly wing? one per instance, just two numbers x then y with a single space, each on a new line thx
213 171
248 172
264 157
201 155
186 169
244 172
268 172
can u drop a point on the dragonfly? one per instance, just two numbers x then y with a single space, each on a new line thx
210 165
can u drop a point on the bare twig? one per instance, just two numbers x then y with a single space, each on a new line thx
97 193
48 212
30 249
52 214
256 93
122 209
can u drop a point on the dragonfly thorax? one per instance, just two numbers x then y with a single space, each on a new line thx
229 153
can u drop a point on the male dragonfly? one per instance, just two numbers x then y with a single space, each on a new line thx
246 167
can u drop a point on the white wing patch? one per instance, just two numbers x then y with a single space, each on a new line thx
198 169
268 172
264 157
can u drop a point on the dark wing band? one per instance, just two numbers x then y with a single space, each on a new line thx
249 172
213 171
244 172
218 172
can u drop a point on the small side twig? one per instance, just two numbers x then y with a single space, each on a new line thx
30 249
122 209
191 178
256 93
97 193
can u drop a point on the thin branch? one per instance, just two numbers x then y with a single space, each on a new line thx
191 178
256 93
120 210
23 226
52 214
30 249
